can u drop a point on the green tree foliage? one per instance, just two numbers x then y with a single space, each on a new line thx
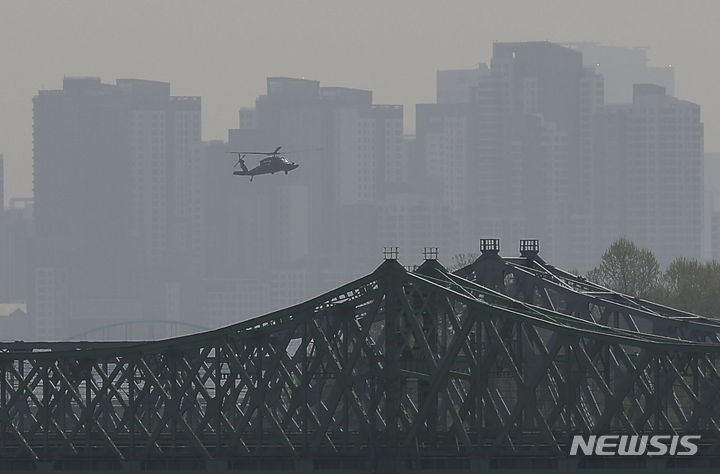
692 286
686 284
628 269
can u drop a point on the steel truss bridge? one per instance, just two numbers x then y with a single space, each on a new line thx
492 368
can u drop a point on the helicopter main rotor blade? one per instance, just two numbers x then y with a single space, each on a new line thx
251 153
274 153
301 151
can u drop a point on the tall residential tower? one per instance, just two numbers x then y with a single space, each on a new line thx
117 181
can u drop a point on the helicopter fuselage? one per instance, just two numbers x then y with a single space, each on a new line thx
270 166
273 163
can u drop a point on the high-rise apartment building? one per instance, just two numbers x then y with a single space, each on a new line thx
534 152
349 150
503 144
2 181
711 170
444 134
118 191
655 151
621 67
455 86
50 303
16 230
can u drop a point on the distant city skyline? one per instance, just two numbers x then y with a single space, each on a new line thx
223 52
135 218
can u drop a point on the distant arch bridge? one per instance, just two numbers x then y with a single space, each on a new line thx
139 330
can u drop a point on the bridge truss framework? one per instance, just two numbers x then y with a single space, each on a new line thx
395 371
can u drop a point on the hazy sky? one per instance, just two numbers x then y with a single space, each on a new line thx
224 50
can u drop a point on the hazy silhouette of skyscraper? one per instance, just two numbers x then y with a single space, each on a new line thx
454 86
117 191
2 181
16 227
509 157
622 67
443 137
655 172
535 152
325 212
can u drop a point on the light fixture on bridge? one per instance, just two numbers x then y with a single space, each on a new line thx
430 253
529 247
489 245
391 253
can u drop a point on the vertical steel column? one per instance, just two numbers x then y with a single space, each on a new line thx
87 414
478 381
391 379
4 409
131 406
174 402
219 390
570 390
347 380
261 396
305 381
46 407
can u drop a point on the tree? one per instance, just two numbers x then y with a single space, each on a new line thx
461 260
628 269
692 286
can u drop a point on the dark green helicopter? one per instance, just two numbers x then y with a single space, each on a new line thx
273 163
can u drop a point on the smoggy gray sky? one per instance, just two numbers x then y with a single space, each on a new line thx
224 50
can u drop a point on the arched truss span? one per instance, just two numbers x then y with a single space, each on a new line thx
417 366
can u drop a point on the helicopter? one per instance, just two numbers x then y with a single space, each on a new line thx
273 163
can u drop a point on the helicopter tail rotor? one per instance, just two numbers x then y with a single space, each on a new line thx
241 162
